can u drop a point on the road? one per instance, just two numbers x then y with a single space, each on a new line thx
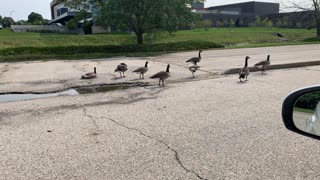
214 128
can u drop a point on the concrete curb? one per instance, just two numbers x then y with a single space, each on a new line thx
276 66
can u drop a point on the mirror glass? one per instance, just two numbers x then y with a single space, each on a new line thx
306 113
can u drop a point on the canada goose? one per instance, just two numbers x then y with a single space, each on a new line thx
244 72
263 64
193 69
122 67
162 75
195 60
90 75
142 70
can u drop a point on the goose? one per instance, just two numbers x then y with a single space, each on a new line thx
142 70
162 75
90 75
193 69
122 67
195 60
263 64
244 72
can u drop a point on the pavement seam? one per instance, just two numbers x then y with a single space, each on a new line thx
176 154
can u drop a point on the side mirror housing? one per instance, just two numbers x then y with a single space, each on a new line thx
301 112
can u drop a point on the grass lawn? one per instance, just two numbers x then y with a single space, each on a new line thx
230 37
226 36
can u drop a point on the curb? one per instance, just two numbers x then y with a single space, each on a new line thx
276 66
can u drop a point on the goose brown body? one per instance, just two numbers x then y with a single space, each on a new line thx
122 67
90 75
263 64
244 72
195 60
142 70
162 75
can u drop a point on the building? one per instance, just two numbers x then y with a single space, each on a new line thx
253 8
241 13
60 13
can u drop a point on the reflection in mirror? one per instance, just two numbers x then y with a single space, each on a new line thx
306 113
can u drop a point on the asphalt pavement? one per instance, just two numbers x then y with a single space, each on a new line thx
211 128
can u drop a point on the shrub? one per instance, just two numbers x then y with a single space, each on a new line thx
112 49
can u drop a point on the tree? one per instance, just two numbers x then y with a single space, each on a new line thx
314 7
147 16
257 21
35 18
0 19
21 22
7 22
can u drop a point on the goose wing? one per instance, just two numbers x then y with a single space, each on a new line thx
244 71
261 63
159 75
194 59
140 70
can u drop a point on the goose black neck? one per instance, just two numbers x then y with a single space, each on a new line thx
246 63
146 65
95 70
200 54
168 68
268 59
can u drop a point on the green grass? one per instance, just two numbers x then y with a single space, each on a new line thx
226 36
230 37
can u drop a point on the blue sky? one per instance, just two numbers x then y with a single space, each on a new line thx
20 9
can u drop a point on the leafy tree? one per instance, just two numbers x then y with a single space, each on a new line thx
45 22
219 24
314 8
7 22
81 15
147 16
35 18
257 21
0 19
21 22
266 22
232 23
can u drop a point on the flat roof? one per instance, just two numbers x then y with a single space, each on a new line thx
64 17
248 2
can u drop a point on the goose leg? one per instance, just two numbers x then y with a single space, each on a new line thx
193 74
163 83
159 82
120 74
143 76
247 78
123 74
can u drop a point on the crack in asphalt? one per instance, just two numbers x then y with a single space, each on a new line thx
176 154
85 112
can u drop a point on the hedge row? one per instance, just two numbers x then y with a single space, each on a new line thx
113 49
313 39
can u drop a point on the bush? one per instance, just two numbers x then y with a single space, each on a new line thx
112 49
313 39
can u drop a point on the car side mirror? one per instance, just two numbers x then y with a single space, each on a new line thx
301 112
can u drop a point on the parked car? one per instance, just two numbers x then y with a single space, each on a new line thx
301 111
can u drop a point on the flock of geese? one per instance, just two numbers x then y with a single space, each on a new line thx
163 75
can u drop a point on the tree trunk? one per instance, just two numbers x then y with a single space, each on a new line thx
139 38
318 27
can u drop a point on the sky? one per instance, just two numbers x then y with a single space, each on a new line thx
20 9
